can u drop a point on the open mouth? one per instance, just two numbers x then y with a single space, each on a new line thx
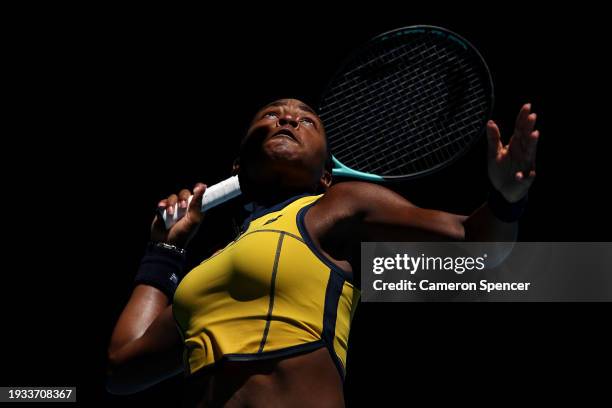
286 133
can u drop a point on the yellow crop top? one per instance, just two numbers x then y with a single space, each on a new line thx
269 293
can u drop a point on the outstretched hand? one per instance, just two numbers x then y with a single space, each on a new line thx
512 167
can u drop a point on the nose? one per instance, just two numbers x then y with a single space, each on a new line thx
288 119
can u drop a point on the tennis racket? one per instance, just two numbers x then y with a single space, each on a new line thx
406 104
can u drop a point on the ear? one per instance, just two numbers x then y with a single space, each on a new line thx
236 166
325 181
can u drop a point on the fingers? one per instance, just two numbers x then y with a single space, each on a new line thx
526 135
171 204
161 206
527 129
195 206
520 175
494 139
158 221
524 140
522 118
183 197
530 123
525 123
183 200
177 205
532 144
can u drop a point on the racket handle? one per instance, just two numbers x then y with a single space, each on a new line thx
213 196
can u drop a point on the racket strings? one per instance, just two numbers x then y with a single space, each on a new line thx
392 107
417 114
429 107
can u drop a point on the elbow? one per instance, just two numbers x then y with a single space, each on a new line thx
128 374
113 385
112 359
115 363
116 380
456 231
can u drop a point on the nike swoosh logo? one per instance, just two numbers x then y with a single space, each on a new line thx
272 220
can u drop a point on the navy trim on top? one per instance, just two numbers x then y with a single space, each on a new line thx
308 241
266 355
330 312
261 211
333 292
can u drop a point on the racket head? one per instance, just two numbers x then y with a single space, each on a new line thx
408 103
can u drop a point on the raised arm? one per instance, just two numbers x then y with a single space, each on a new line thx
145 346
375 213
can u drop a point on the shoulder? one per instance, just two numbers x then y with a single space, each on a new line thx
378 214
359 197
348 210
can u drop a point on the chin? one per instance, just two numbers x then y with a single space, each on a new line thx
283 152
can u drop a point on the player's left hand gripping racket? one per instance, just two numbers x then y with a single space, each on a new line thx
407 103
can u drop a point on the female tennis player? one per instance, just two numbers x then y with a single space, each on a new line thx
265 321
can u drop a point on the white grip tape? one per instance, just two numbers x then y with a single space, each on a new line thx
213 196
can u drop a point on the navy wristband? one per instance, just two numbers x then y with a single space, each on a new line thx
504 210
161 268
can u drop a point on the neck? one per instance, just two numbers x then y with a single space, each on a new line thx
266 188
267 197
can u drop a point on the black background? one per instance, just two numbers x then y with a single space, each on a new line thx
115 109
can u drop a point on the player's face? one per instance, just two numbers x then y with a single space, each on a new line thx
286 136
